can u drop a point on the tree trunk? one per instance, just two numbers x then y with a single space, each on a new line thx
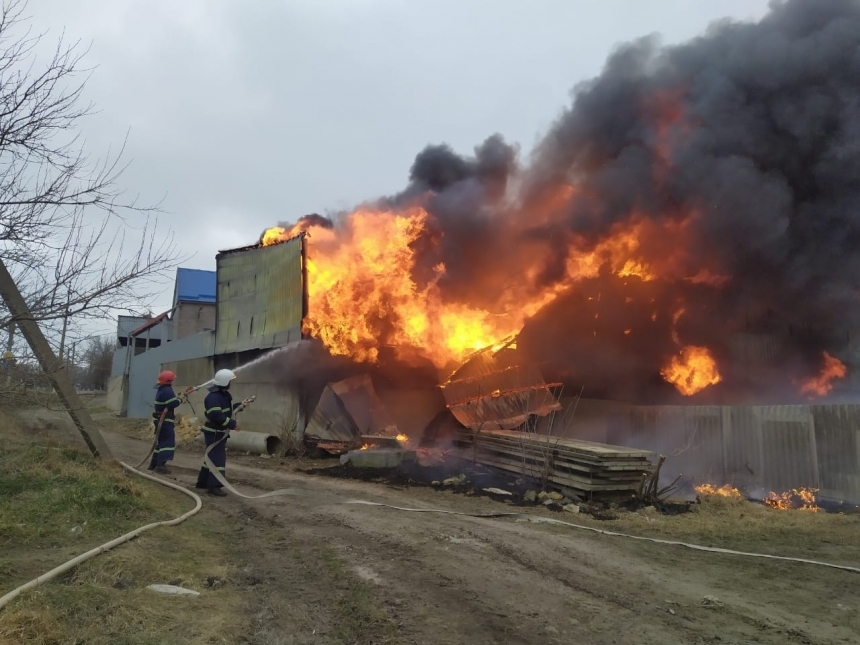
53 368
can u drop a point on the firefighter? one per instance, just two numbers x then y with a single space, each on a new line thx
166 403
219 421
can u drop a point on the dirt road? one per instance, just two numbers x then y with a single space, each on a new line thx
311 563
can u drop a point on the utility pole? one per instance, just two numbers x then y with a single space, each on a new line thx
54 368
10 341
63 355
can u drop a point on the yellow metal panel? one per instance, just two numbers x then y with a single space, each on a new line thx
194 371
259 296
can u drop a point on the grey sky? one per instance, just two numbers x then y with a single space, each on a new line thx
248 113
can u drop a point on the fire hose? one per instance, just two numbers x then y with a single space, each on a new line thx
54 573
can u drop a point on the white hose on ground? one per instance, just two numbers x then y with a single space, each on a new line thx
550 520
71 564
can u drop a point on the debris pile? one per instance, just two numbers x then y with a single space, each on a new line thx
588 469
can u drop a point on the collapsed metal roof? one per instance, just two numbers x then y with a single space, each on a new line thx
494 390
348 409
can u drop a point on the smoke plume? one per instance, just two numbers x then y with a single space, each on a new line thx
726 168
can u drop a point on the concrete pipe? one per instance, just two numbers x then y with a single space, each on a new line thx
259 443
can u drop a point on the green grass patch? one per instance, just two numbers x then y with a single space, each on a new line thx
52 491
59 502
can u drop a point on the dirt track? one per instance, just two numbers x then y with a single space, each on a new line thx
451 579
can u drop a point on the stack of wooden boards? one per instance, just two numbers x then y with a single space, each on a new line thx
592 470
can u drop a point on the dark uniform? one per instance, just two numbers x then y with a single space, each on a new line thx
165 446
219 420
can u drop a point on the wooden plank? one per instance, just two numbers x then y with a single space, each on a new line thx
519 448
565 453
623 472
629 479
574 444
525 439
580 483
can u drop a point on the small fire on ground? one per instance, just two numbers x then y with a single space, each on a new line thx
401 438
709 490
802 499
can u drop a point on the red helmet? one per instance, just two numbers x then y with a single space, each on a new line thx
166 377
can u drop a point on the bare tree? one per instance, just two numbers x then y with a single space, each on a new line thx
71 246
96 361
75 247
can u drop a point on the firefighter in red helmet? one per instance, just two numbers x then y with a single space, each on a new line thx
166 403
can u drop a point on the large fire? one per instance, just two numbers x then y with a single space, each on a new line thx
822 384
361 283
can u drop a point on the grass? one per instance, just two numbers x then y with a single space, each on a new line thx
143 429
742 525
48 490
52 490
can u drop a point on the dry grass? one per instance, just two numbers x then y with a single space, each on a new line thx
48 490
143 429
742 525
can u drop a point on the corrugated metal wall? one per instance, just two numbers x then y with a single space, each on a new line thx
259 297
146 366
760 448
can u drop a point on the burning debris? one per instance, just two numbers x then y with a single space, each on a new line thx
803 499
715 177
821 385
727 491
494 389
692 370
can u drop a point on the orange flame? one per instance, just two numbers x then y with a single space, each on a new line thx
802 499
709 490
365 297
821 385
692 370
402 438
276 235
360 282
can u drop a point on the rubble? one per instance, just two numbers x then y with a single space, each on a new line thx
382 458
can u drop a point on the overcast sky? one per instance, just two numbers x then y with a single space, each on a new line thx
243 114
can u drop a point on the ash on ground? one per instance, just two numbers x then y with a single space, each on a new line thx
475 480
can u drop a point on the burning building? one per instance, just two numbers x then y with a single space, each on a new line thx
684 236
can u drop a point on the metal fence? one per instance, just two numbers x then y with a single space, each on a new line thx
759 448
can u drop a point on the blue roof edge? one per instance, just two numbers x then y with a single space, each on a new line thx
195 285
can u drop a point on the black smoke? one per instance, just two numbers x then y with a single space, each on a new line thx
765 151
747 138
